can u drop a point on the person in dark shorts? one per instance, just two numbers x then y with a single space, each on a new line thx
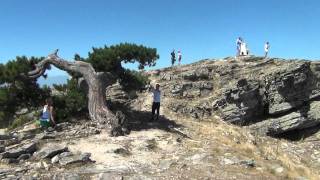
173 58
156 101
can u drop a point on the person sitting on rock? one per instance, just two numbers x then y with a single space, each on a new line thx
156 101
47 114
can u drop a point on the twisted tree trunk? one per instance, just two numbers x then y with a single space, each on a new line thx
97 83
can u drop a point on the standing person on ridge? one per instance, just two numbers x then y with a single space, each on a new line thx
239 43
156 101
266 49
179 57
173 57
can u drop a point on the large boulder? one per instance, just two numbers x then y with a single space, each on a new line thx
15 152
289 88
242 103
50 150
305 117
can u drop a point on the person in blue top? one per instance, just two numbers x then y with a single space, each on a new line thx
156 101
47 114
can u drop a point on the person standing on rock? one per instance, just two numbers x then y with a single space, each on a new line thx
156 101
173 57
179 57
47 114
266 49
239 42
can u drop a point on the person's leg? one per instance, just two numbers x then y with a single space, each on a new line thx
153 110
158 109
238 51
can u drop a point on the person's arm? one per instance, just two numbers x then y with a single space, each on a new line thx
51 115
151 88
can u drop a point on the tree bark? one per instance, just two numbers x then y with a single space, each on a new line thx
97 83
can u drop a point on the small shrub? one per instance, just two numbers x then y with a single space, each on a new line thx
21 120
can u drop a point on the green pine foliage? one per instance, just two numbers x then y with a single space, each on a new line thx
133 80
110 58
70 102
17 91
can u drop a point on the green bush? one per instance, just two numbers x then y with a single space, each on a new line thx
21 120
71 102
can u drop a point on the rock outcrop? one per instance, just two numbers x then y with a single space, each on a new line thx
271 96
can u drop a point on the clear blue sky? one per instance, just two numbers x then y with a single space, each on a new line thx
200 28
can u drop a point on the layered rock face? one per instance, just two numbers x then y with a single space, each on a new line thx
271 96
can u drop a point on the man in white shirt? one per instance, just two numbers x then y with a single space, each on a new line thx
266 49
156 101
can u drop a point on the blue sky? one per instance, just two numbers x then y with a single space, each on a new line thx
199 28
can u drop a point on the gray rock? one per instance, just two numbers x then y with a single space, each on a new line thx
65 154
55 159
227 161
278 169
197 158
24 156
22 111
289 88
248 163
241 104
9 161
64 176
103 176
307 116
50 150
122 151
76 158
62 126
5 136
2 148
16 152
48 136
197 74
164 165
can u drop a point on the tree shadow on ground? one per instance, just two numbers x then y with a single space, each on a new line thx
141 120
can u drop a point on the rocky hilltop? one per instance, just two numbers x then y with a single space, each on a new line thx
248 118
270 96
